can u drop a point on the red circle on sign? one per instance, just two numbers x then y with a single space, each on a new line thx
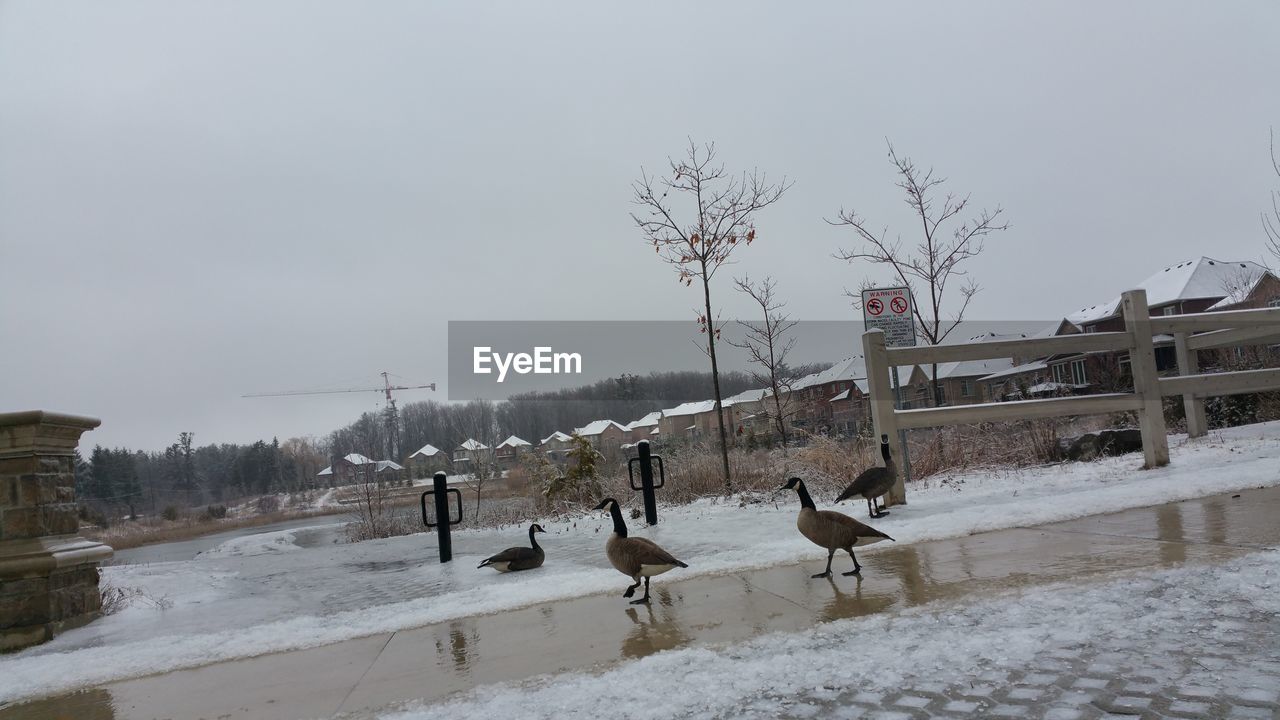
874 306
898 305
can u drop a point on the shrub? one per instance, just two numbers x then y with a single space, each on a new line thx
171 513
268 504
215 512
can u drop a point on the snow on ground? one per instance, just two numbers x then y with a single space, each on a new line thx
249 597
1207 634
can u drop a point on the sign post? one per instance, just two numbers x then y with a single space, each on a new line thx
889 309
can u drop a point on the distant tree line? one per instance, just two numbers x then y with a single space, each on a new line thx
183 475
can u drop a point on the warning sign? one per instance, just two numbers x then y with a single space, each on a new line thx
890 310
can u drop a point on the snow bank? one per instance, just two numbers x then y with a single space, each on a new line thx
1167 614
263 594
259 544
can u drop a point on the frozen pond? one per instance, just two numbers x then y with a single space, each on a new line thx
328 528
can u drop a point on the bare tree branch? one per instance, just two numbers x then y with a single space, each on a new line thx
767 345
1271 223
719 217
937 258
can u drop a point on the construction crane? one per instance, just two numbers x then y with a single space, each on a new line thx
392 415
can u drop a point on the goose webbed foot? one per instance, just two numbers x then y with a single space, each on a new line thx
631 591
642 601
851 573
880 514
826 574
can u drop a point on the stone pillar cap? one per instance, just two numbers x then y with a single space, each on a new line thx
33 417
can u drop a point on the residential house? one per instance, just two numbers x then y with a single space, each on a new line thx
508 452
427 461
356 468
556 445
606 436
1194 286
747 412
646 428
691 420
470 453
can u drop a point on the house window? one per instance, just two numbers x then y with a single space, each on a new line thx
1169 310
1274 302
1090 328
1060 373
1077 372
966 388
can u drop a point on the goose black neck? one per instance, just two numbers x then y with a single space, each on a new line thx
619 526
805 500
533 539
884 452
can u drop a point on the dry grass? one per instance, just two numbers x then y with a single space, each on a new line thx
115 599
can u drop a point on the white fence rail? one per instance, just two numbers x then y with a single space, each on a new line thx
1191 333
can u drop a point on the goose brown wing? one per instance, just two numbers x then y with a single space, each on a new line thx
859 529
867 483
512 555
646 552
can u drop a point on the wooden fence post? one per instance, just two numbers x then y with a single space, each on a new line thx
1146 383
1193 406
882 412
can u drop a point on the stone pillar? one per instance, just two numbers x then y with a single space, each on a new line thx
48 575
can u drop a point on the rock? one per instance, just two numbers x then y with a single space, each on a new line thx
1112 441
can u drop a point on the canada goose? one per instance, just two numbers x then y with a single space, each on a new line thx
518 558
874 482
636 558
830 529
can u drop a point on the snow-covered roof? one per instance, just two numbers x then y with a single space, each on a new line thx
746 396
513 442
595 427
1191 280
655 431
996 337
969 368
647 421
326 471
1036 366
556 436
1052 387
472 444
357 459
388 465
690 408
427 450
1240 291
850 368
840 396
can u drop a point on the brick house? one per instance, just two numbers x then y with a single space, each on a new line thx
508 452
691 420
606 436
426 461
1193 286
646 428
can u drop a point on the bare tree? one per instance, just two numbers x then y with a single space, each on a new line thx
767 345
1271 222
718 218
937 259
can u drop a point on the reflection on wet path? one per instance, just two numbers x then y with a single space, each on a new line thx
592 632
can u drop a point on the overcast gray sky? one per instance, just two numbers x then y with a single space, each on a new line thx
204 199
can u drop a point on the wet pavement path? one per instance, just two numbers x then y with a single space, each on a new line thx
595 631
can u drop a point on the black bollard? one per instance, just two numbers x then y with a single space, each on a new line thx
441 492
647 485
